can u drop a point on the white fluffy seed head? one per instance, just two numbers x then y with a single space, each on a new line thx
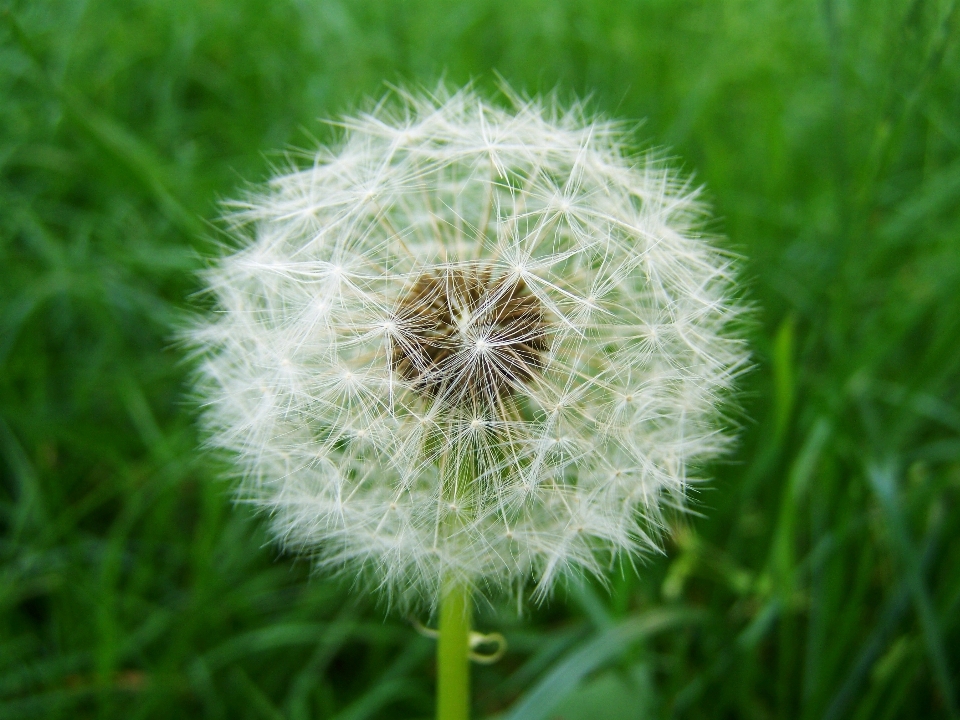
473 341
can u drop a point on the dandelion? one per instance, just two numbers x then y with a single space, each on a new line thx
469 348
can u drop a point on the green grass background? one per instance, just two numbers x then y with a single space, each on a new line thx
822 576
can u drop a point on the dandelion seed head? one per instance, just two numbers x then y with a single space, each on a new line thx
470 339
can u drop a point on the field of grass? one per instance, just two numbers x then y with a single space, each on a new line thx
820 577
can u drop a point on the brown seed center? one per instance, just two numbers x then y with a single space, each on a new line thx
464 337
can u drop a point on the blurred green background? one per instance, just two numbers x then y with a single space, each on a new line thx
821 577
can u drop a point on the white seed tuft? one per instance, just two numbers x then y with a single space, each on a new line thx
470 340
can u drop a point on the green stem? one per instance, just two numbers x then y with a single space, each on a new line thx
453 661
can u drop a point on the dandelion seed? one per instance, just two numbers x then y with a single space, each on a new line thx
470 341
